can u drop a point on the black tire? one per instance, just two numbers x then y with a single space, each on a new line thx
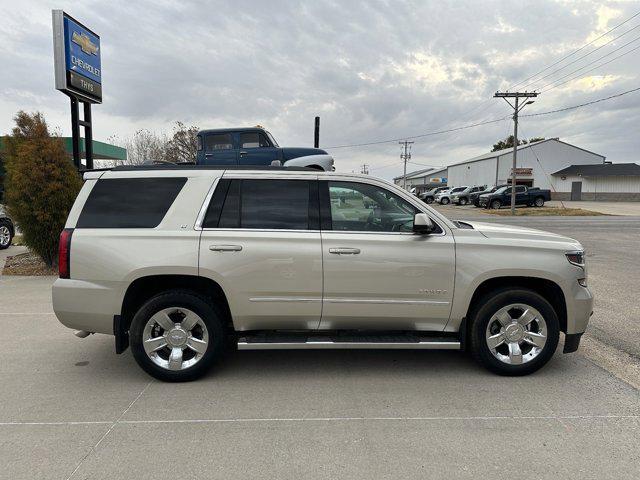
538 202
202 306
5 228
463 201
492 303
495 204
429 200
445 201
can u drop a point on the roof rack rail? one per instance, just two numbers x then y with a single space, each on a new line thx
121 168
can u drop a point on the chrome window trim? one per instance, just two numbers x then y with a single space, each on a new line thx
205 205
238 175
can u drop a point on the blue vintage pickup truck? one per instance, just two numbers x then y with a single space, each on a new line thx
255 146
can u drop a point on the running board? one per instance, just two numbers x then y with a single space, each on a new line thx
393 342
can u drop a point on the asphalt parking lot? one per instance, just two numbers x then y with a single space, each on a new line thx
71 408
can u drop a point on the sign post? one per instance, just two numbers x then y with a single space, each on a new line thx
78 74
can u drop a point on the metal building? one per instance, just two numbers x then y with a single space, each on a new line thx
535 164
425 179
607 182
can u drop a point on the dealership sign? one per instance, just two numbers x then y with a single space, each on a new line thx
438 180
525 172
76 53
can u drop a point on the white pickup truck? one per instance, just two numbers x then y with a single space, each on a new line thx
182 261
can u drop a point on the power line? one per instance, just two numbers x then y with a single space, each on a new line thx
582 104
394 140
591 63
575 51
584 56
487 122
590 70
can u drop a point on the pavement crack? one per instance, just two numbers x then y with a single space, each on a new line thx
93 448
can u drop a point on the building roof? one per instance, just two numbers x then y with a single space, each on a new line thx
101 150
422 173
497 153
601 170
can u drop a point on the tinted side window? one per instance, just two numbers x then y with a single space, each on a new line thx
360 207
270 204
129 202
519 189
218 141
253 140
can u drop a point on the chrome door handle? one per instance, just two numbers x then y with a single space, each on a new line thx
242 152
344 251
225 248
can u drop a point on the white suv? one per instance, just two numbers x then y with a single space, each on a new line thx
182 262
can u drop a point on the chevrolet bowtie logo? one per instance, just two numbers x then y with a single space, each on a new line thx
86 45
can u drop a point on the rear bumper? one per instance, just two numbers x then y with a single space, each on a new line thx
84 305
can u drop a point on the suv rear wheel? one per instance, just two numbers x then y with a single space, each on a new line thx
496 204
463 201
514 332
177 335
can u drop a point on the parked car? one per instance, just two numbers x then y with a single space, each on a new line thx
444 197
255 146
474 198
294 259
429 196
7 229
524 196
462 198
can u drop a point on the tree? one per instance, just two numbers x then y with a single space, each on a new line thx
508 142
183 146
145 146
41 184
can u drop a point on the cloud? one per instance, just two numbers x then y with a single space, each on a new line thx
372 70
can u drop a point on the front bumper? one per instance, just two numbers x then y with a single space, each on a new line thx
579 309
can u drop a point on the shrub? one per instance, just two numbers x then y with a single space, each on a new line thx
41 184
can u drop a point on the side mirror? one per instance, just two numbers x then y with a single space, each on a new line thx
422 224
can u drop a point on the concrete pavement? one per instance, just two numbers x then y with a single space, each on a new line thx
71 408
609 208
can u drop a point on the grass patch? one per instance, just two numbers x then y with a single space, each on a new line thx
27 264
543 212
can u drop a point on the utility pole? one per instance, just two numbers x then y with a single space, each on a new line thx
405 157
365 169
516 109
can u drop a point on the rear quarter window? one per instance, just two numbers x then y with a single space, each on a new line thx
129 202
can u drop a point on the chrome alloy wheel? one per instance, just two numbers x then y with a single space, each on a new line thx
175 338
5 236
516 334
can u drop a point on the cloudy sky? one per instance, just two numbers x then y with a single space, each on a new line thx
373 70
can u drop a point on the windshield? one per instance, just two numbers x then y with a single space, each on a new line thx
459 189
273 140
501 190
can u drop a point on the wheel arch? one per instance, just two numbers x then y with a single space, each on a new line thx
548 289
143 288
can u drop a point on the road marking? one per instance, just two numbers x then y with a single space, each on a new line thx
22 313
318 419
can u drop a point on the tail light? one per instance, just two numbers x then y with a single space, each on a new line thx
64 253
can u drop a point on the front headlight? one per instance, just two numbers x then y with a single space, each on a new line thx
576 258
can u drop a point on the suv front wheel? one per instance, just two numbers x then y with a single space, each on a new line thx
514 332
177 335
